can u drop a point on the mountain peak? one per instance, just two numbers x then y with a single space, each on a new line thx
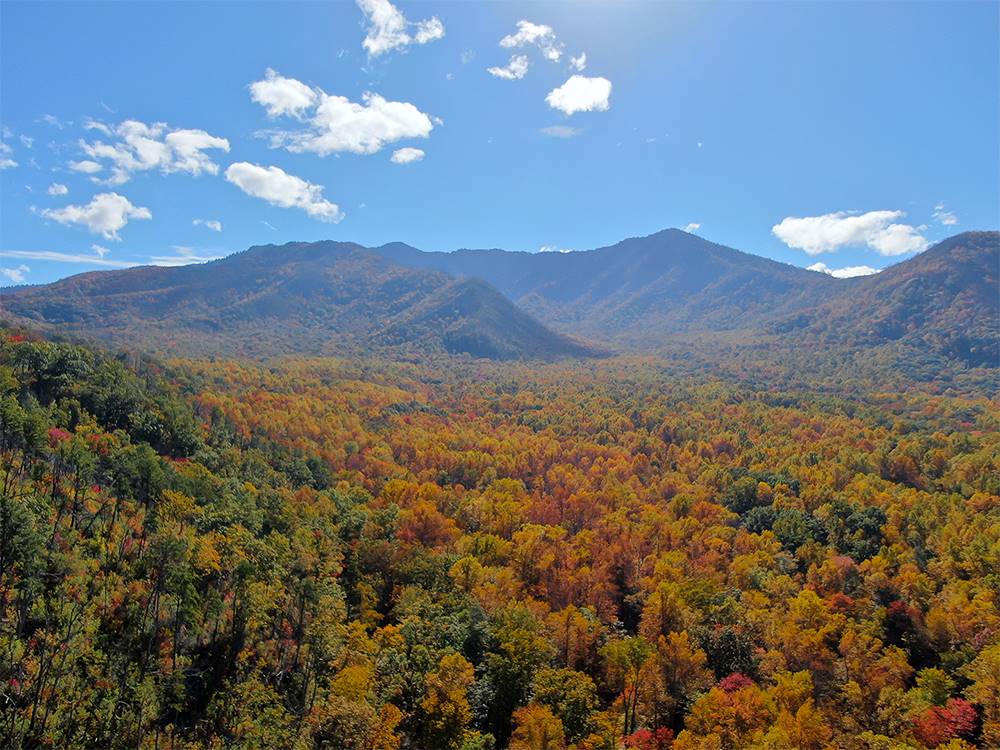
637 294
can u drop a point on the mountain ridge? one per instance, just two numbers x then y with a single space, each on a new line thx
632 296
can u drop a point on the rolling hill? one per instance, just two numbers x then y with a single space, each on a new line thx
633 296
298 298
667 282
945 300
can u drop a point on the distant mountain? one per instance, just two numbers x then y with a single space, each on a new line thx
297 298
667 282
945 300
638 296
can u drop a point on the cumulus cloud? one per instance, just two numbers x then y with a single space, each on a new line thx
105 215
86 166
848 272
581 94
335 124
142 147
943 217
15 275
514 70
282 96
389 29
407 155
540 35
694 226
57 189
279 188
561 131
829 232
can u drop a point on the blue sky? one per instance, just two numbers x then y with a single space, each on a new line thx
846 134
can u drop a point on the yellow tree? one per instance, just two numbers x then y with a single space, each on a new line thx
445 704
537 728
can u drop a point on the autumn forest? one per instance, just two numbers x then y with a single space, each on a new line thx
465 555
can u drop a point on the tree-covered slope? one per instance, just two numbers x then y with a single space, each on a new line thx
361 555
945 300
313 298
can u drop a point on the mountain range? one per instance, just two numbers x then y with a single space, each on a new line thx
328 297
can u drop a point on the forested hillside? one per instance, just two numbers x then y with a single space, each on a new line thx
670 293
304 297
471 555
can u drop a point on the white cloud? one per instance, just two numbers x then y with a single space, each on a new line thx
694 226
6 152
579 63
143 147
27 141
945 218
53 121
553 249
581 94
91 124
57 188
279 188
515 70
561 131
388 28
540 35
282 96
848 272
183 256
64 258
337 124
104 215
100 250
827 233
214 224
407 155
86 166
15 275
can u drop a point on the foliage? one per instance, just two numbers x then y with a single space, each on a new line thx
327 554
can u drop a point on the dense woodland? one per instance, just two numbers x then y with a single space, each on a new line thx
461 555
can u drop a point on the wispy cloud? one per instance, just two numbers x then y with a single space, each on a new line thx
561 131
183 256
943 217
66 258
214 224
